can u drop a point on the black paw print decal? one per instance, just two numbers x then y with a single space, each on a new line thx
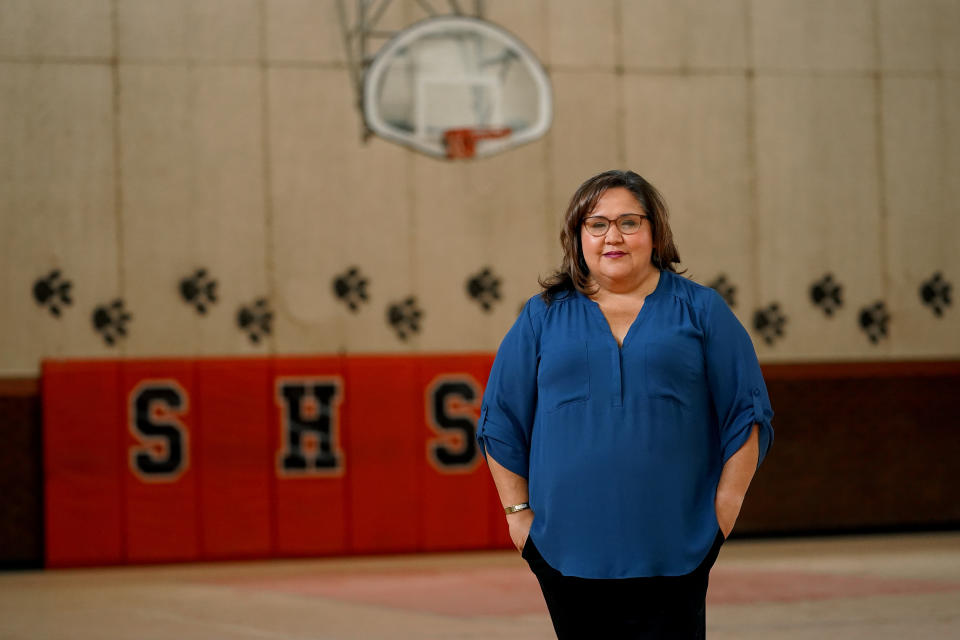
725 288
255 319
405 317
111 321
769 322
484 287
52 292
199 290
874 320
351 287
935 293
827 294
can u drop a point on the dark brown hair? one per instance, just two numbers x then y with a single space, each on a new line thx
573 272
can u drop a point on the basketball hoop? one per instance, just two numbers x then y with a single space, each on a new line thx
462 143
446 84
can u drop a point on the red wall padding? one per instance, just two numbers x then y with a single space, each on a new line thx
84 463
161 517
190 460
235 445
383 415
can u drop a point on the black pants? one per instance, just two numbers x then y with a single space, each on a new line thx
662 607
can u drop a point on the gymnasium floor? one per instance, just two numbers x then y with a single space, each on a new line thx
877 587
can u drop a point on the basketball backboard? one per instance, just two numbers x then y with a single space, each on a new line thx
456 86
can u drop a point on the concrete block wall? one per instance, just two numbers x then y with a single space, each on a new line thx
141 141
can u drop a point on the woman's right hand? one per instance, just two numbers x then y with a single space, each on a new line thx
519 524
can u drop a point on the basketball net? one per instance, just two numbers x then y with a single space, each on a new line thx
462 143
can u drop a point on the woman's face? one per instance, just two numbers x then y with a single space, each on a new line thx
616 258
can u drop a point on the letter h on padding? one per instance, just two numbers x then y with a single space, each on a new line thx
297 426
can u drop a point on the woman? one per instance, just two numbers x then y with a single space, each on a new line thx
623 419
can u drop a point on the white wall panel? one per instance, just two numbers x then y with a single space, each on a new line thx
192 198
209 30
924 220
919 35
948 34
336 203
818 197
581 33
813 35
908 34
688 136
584 139
56 209
454 239
470 215
55 28
950 213
304 30
684 34
526 20
310 30
526 234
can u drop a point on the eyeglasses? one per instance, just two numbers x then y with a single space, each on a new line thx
628 224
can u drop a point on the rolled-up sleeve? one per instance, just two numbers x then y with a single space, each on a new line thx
510 398
736 382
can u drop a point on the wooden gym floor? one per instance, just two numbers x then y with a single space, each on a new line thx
876 587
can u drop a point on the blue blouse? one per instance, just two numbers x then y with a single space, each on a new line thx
623 446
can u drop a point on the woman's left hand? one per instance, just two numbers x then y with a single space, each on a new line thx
727 508
734 480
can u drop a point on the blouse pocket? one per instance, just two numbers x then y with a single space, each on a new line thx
675 382
564 376
674 368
